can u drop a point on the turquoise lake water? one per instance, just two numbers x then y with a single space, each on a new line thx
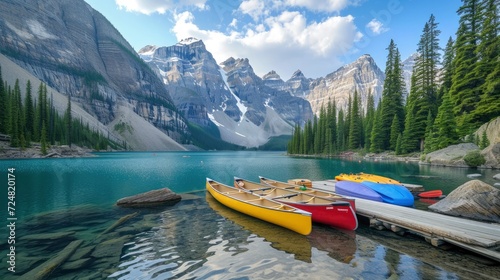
200 239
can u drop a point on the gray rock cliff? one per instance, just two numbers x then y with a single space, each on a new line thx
78 52
362 75
246 109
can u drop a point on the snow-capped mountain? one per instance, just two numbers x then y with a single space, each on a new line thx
408 65
230 96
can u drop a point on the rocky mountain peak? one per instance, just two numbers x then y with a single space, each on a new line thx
408 65
363 75
297 75
273 80
147 49
189 41
272 75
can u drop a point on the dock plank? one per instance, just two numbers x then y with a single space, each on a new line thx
480 237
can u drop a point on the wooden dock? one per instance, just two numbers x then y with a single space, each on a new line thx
479 237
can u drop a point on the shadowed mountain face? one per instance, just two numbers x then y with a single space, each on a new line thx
78 52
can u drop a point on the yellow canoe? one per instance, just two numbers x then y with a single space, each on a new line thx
261 208
360 177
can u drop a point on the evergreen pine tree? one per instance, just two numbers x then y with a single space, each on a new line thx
68 121
332 126
3 105
392 95
15 125
445 125
409 142
423 93
465 88
398 144
430 135
484 140
340 131
29 112
377 142
355 124
487 67
43 139
370 116
395 132
447 74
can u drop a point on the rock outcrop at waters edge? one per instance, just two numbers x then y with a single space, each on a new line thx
7 152
473 200
450 156
150 199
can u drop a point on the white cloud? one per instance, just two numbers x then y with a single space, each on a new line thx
254 8
285 42
376 27
157 6
234 23
321 5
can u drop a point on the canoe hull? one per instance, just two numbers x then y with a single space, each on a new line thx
431 194
391 193
356 189
298 221
338 216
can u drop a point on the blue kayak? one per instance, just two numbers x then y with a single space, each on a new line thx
393 194
356 189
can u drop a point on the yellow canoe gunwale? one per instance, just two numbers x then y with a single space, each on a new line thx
262 208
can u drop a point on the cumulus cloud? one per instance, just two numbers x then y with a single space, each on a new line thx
285 42
157 6
376 27
254 8
321 5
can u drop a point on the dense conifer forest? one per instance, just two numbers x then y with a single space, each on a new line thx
454 90
35 120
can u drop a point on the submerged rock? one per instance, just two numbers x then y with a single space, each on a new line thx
474 200
497 176
152 198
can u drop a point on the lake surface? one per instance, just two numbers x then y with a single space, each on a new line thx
58 201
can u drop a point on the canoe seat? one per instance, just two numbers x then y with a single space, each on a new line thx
306 201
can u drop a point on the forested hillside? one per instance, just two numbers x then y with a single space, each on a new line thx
454 90
34 119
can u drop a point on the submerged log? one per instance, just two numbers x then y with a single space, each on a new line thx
45 269
119 222
149 199
475 200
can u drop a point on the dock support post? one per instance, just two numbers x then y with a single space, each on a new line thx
436 242
374 223
398 230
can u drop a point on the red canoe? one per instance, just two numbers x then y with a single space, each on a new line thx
333 213
431 194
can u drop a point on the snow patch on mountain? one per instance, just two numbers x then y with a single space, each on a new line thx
243 109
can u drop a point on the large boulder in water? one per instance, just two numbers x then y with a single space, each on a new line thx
474 200
152 198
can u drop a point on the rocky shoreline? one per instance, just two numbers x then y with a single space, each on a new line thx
64 151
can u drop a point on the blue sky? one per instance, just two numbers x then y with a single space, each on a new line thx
315 36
